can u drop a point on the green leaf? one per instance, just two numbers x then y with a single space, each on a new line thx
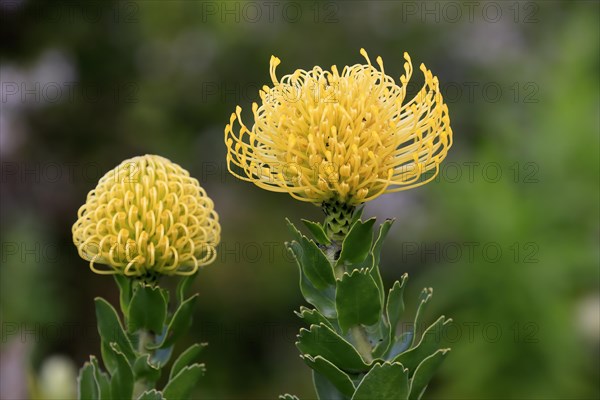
357 244
111 330
394 310
320 340
181 386
400 344
357 214
188 357
430 342
322 300
288 396
376 335
87 389
311 260
376 256
376 275
124 284
395 302
144 369
325 389
357 300
161 357
148 308
102 380
313 317
183 286
151 395
425 372
317 231
425 296
385 381
121 383
179 324
336 376
377 247
108 357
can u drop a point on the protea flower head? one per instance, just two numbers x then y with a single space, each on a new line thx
147 217
329 137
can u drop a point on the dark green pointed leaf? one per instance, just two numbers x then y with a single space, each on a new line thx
111 330
313 317
357 300
429 344
144 369
148 308
383 382
102 380
424 298
288 396
317 231
312 261
321 340
325 389
87 389
124 284
151 395
182 385
183 286
121 383
357 244
394 310
333 374
188 357
425 372
179 324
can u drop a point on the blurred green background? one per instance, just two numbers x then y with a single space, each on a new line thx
507 235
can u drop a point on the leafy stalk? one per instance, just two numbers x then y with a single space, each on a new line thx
136 350
352 343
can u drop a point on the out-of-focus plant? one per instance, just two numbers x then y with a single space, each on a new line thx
338 140
146 218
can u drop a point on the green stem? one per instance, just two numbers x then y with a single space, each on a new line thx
144 338
362 343
339 271
338 217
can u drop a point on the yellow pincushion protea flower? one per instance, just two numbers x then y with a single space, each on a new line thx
323 137
147 217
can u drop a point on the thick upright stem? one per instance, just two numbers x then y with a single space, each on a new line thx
362 343
144 339
338 219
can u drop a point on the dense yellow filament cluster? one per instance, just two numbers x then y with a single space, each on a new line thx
326 136
147 216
